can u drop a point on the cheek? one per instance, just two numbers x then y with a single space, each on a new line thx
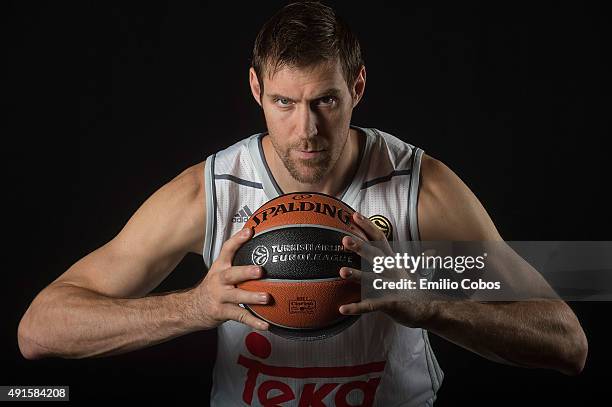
277 119
339 116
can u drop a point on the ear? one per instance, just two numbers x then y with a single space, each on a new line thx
255 88
359 86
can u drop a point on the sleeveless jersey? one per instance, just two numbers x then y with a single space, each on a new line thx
375 361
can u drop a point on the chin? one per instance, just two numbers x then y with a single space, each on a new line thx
309 175
308 171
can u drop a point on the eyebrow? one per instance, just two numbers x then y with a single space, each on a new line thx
329 92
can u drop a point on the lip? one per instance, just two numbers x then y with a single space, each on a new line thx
309 154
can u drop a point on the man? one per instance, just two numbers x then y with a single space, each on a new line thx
307 76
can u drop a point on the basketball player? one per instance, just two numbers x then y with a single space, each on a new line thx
307 77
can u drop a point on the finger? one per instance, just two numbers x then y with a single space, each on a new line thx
361 307
231 245
356 230
372 231
365 250
239 314
351 274
240 296
357 276
238 274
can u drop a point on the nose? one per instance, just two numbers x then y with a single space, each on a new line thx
306 126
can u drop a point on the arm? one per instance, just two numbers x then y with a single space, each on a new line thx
542 333
99 306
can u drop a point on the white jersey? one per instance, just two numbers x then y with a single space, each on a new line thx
374 362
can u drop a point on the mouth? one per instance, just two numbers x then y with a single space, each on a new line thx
309 154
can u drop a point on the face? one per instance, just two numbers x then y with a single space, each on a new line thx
307 112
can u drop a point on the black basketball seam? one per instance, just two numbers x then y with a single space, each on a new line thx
288 280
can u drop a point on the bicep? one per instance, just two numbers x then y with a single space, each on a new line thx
448 209
151 244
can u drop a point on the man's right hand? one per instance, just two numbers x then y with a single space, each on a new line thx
216 297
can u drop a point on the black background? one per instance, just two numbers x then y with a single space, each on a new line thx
106 103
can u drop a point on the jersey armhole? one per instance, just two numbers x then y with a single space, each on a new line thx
211 210
414 194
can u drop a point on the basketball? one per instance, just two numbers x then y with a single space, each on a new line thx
297 241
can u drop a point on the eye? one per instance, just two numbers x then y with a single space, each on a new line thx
327 100
282 102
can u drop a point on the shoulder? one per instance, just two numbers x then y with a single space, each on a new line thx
186 187
448 209
185 197
388 147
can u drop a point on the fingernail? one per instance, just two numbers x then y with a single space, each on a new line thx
360 216
246 232
262 325
350 241
255 271
262 298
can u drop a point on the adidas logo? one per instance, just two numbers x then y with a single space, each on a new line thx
242 215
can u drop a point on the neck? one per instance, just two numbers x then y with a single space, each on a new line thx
338 177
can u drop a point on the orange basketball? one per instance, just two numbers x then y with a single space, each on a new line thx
297 241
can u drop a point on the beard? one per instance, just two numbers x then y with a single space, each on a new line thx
306 171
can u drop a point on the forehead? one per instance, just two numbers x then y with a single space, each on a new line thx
291 79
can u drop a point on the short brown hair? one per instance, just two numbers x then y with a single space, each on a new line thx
304 34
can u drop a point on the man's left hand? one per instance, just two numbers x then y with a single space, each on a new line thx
406 308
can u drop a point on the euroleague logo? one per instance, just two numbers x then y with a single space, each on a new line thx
383 224
260 255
